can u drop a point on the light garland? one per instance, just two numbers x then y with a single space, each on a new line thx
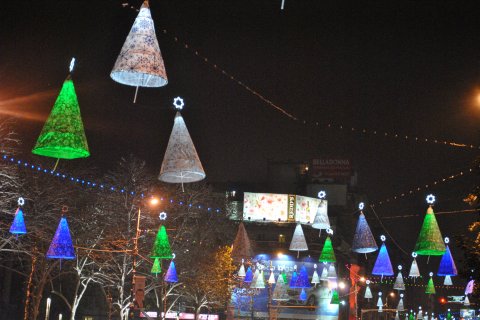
93 184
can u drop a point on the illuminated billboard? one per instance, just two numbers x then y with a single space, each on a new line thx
281 207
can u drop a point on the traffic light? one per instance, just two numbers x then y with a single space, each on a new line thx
138 291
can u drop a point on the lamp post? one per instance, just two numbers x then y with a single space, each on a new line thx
153 202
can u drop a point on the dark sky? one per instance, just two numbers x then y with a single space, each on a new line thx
408 67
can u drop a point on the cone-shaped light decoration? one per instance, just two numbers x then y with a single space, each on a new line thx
280 291
332 273
414 271
466 302
447 281
430 286
294 279
161 247
315 277
324 274
258 281
180 163
271 278
430 240
380 302
248 275
303 295
447 265
327 255
241 271
399 284
397 317
400 306
156 268
449 315
383 266
363 240
284 276
302 280
171 274
335 298
140 63
368 292
63 136
321 220
61 246
241 248
420 313
298 240
469 287
18 224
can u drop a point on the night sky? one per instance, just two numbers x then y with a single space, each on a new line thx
406 67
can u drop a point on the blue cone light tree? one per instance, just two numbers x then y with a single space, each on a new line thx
302 279
447 265
303 295
248 275
18 225
171 274
383 265
61 246
294 279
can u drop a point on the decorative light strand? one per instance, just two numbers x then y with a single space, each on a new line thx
94 185
360 131
417 189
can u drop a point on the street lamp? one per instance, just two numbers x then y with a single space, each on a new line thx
153 202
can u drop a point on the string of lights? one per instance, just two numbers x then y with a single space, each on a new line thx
341 127
93 184
425 187
436 213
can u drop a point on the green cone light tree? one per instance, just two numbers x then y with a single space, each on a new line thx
430 286
327 254
430 240
161 247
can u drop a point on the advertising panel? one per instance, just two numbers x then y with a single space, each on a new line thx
272 207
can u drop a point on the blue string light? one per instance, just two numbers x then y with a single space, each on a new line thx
90 184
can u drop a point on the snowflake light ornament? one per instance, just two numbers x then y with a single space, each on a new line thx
322 194
430 199
178 103
163 216
21 201
361 206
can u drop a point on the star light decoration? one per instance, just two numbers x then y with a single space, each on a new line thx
430 199
361 206
178 103
322 194
163 216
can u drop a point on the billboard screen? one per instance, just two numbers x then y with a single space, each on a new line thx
271 207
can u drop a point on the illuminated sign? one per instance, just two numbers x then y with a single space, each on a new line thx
271 207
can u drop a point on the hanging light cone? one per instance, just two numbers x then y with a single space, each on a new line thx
324 275
271 279
469 287
430 286
303 295
414 271
140 62
380 302
156 268
241 247
327 255
302 280
383 265
430 240
397 317
321 220
447 281
18 224
241 271
332 273
298 240
280 291
363 240
466 302
61 246
284 276
181 163
161 247
420 314
315 277
294 280
399 284
335 298
447 265
258 280
368 292
171 274
63 136
248 275
400 306
449 315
